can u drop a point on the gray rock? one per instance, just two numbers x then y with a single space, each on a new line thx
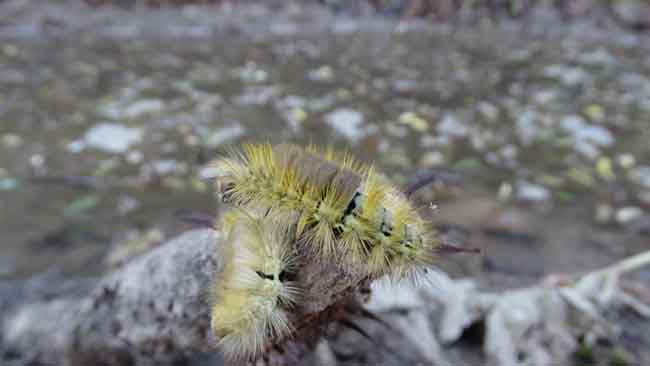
451 126
112 137
632 13
534 193
347 122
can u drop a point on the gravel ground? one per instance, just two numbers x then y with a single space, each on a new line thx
108 116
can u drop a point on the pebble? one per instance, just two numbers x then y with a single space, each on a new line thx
626 161
588 138
581 176
488 110
256 95
604 169
164 167
112 137
251 73
127 204
595 112
644 197
414 121
577 127
37 160
11 140
323 73
295 117
81 205
432 159
529 192
7 265
404 86
143 107
604 213
505 191
628 214
569 76
395 130
599 57
347 122
641 175
544 97
8 184
134 157
634 13
225 135
76 146
450 126
527 128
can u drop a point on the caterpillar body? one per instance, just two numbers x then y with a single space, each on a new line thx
254 290
340 208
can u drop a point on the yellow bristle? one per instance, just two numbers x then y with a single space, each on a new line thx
251 300
339 208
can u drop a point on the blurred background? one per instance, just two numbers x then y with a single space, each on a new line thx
539 110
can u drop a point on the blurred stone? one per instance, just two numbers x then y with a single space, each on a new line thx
37 160
395 130
488 110
644 197
225 135
112 137
450 126
527 126
581 130
595 112
257 95
134 157
252 73
76 146
11 140
8 184
505 191
432 159
641 175
581 176
323 73
588 138
626 161
127 204
165 167
632 13
544 97
347 122
628 214
569 76
295 117
604 169
7 266
534 193
143 107
81 205
604 214
134 244
414 121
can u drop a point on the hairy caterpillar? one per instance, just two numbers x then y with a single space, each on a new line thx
254 290
339 207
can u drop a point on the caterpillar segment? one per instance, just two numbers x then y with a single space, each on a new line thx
340 208
254 291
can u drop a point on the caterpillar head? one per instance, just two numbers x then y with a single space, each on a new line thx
254 291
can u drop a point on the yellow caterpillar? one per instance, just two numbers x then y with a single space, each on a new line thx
340 208
253 291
